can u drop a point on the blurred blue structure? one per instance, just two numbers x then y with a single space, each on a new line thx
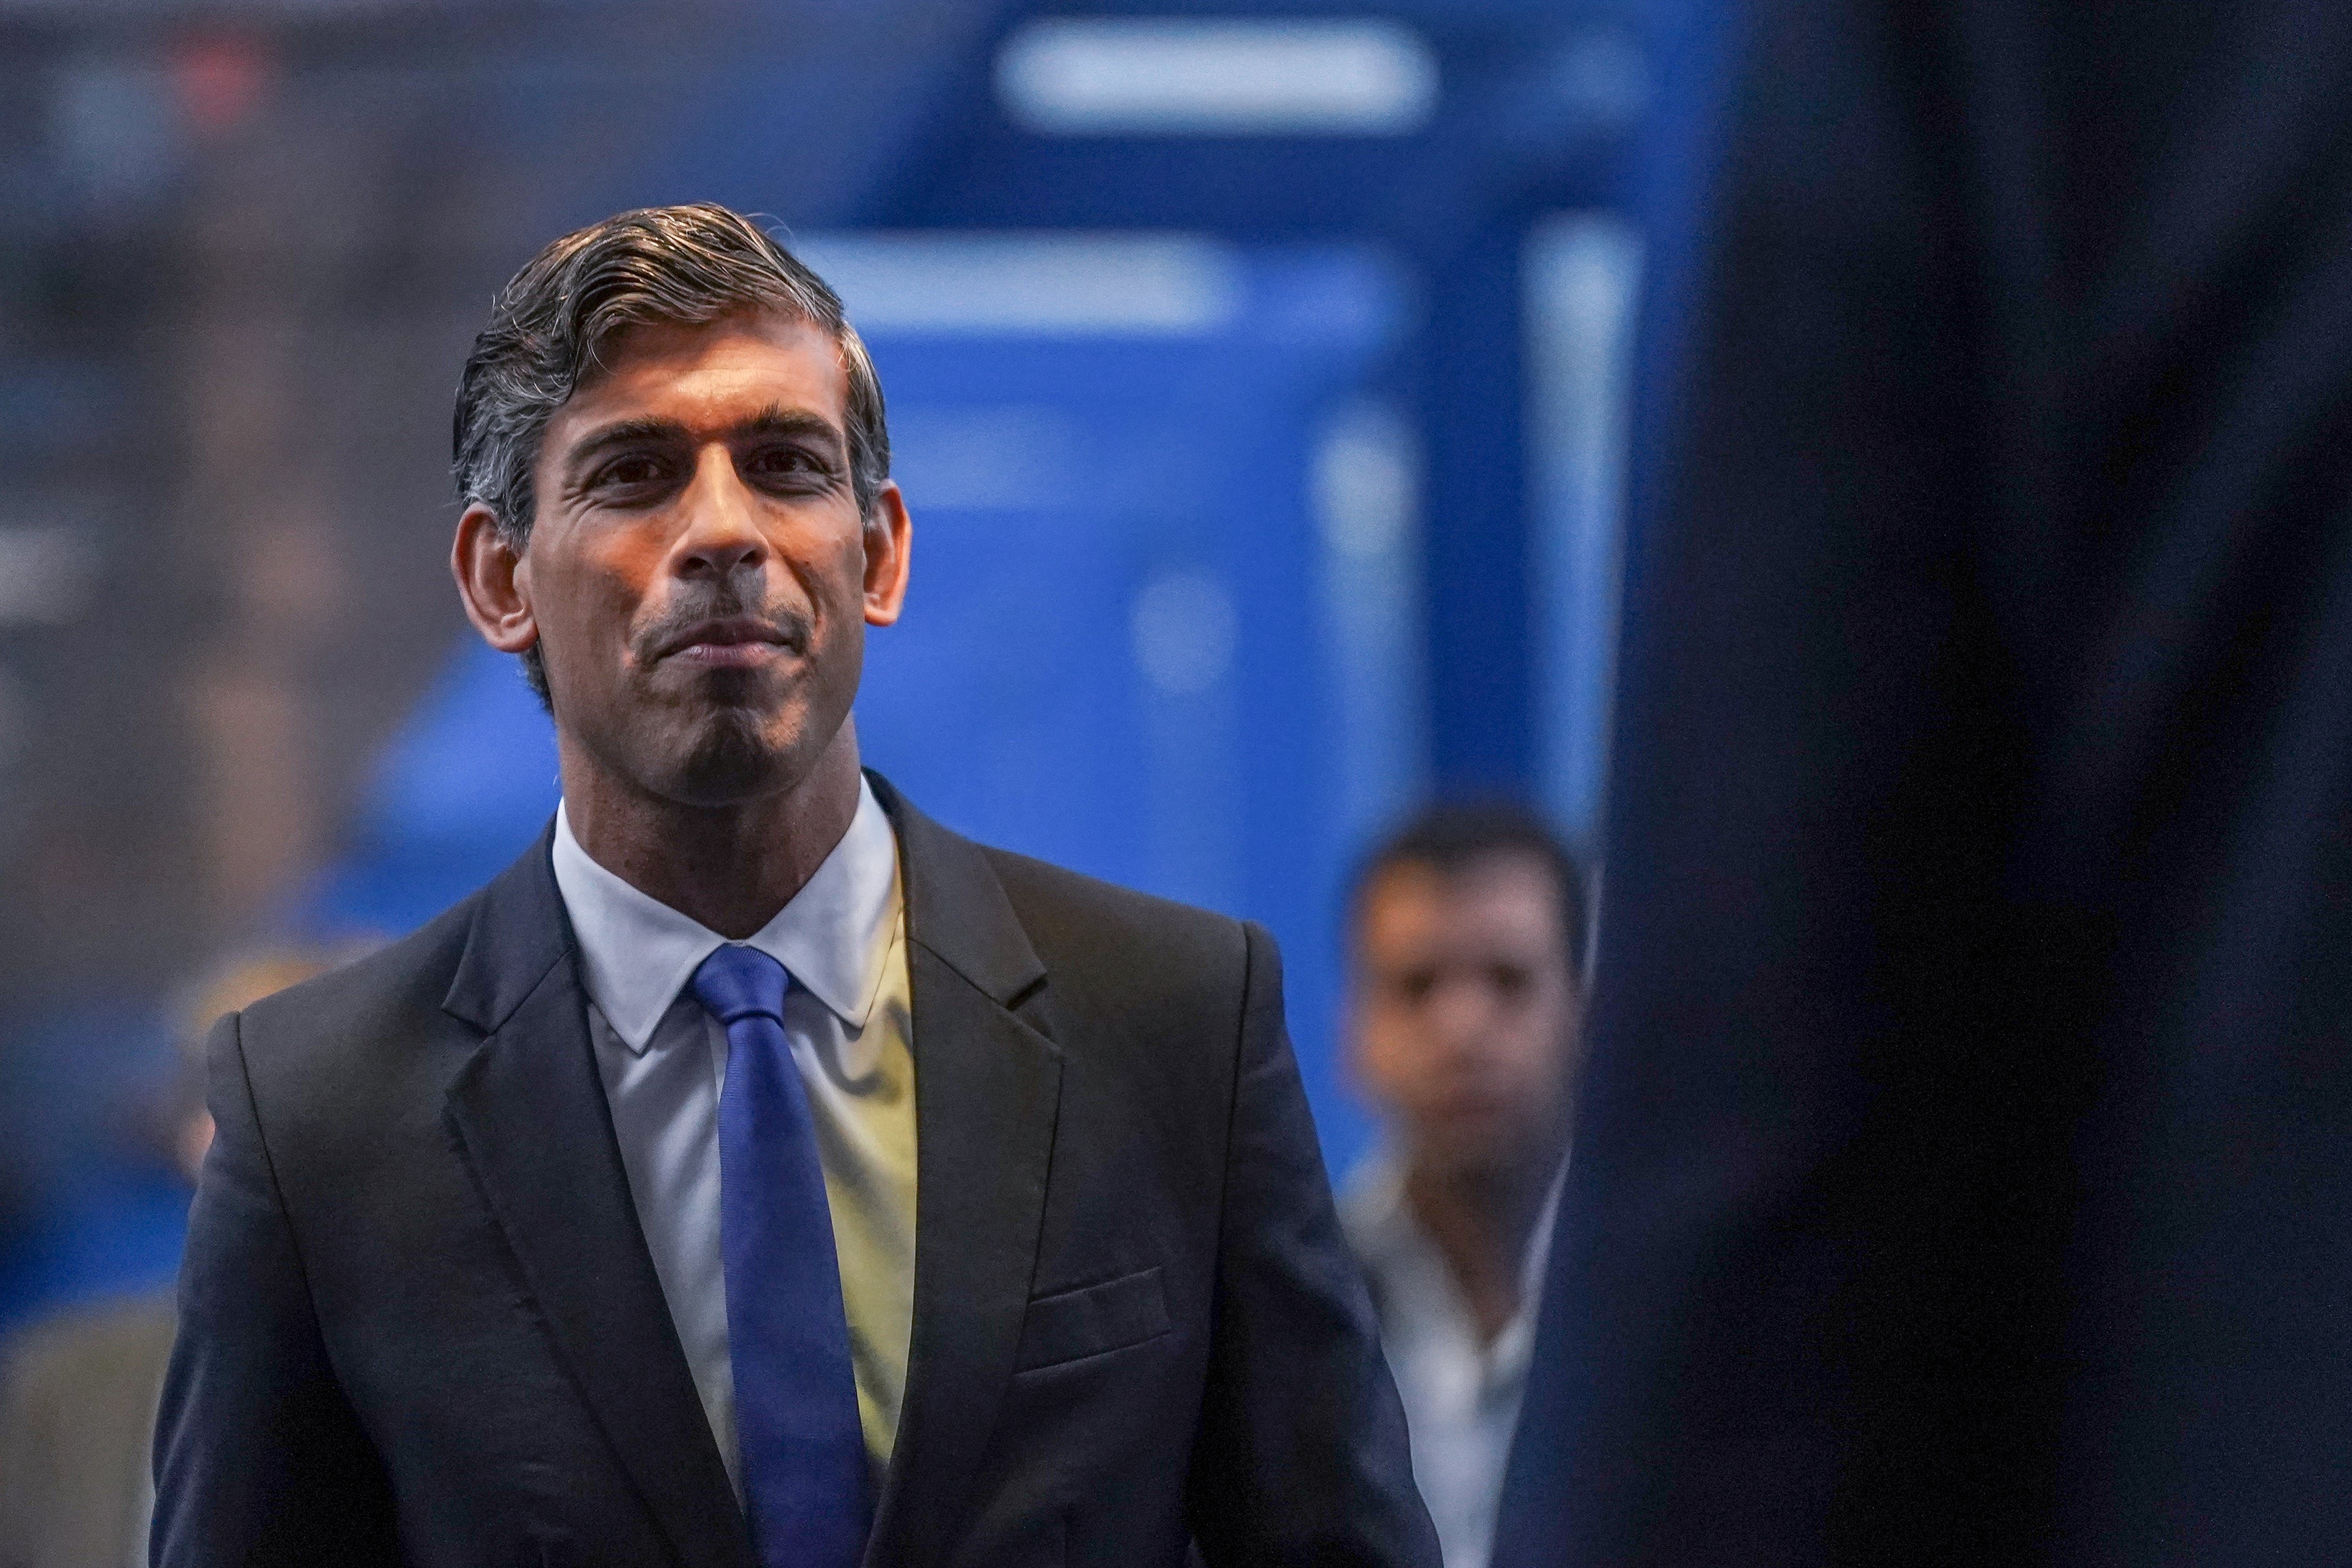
1127 647
99 1210
468 782
1533 112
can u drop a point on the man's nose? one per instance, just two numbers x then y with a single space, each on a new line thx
721 531
1462 1012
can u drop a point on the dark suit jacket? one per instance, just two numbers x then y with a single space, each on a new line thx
1964 1172
420 1321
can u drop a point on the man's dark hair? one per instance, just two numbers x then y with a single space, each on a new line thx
683 265
1452 836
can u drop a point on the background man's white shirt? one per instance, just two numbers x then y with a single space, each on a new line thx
663 1060
1460 1395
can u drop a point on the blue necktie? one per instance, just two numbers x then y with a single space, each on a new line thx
803 1453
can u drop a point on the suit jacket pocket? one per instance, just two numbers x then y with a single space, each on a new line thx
1093 1319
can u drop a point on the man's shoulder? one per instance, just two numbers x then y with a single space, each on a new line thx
389 979
1071 917
404 980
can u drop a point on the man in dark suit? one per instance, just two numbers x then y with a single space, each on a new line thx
756 1172
1966 1151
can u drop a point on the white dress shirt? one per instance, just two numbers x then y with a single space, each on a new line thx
1461 1394
842 940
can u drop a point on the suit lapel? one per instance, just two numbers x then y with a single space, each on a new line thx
987 1088
528 1111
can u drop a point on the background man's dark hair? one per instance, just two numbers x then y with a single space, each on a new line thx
1453 836
684 266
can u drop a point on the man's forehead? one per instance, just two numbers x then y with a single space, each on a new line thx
1505 892
746 362
1508 873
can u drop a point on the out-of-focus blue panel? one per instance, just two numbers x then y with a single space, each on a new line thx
1121 651
87 1207
108 1227
462 790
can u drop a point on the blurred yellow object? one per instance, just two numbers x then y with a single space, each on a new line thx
232 985
246 976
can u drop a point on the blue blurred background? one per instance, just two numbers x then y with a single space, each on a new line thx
1256 377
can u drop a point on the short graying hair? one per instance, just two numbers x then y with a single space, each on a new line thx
682 266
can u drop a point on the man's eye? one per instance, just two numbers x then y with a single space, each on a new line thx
786 460
626 471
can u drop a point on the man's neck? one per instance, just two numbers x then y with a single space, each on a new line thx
1482 1221
730 867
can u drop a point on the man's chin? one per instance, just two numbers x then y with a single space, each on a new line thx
735 756
1472 1148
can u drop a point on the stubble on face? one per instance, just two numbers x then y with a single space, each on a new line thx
740 730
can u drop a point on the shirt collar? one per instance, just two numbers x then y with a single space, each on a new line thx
1388 1237
834 938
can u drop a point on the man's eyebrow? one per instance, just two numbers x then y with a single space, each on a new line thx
622 432
773 420
778 420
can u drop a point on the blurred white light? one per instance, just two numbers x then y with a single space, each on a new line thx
1073 284
1364 484
1581 272
990 456
1184 628
46 574
1163 75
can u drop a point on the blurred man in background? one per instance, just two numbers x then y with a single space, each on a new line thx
78 1392
1463 1027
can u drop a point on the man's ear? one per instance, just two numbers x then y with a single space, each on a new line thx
494 581
889 536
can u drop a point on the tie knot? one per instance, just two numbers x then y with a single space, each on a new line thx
740 982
